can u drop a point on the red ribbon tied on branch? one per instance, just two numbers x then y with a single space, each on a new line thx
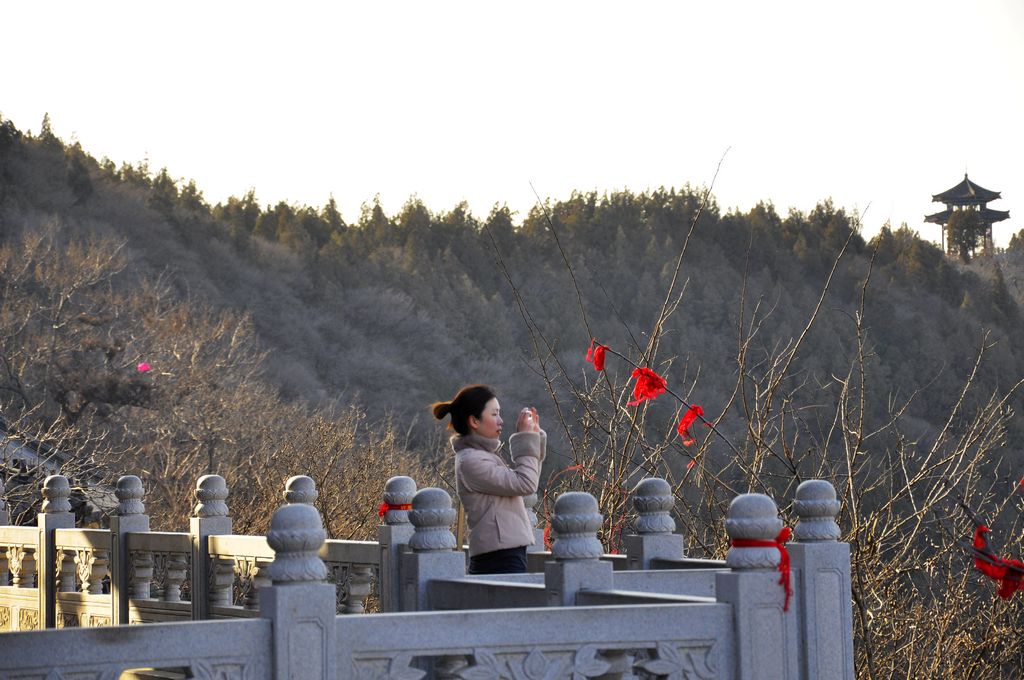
385 506
648 385
686 421
595 354
1008 572
780 543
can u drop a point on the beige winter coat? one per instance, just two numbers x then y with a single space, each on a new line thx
492 492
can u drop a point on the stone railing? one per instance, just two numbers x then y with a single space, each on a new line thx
666 616
129 574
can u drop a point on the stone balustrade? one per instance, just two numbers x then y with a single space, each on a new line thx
744 617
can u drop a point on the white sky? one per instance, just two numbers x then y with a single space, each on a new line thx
870 102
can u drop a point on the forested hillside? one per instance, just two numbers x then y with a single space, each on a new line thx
393 312
146 331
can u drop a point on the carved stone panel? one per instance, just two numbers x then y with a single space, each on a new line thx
203 670
28 619
5 619
68 620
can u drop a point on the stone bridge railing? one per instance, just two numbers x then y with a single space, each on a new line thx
581 617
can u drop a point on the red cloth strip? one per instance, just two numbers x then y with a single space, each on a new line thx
780 544
384 507
1008 572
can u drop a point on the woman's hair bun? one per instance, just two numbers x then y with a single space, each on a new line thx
441 409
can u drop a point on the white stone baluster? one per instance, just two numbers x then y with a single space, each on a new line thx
92 567
66 570
23 566
767 643
174 576
655 536
359 577
255 573
140 574
393 536
577 552
823 588
433 553
221 582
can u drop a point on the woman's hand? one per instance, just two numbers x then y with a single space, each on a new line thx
528 421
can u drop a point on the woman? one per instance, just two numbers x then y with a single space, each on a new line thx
491 490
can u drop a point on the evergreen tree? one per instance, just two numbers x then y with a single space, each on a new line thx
1017 242
965 233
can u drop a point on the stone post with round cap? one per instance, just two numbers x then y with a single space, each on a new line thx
131 517
300 489
56 514
576 552
433 554
655 536
823 587
299 602
392 536
766 643
210 518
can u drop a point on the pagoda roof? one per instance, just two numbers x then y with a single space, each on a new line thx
988 216
966 192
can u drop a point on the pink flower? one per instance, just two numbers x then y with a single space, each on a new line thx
144 367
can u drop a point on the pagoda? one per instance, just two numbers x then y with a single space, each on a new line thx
967 196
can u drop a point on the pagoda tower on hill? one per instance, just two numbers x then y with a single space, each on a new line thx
967 196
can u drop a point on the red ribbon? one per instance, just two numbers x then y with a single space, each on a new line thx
1009 581
648 385
384 507
780 543
595 354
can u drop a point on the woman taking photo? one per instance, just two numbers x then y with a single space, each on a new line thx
491 491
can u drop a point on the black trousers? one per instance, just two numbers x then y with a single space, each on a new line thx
505 561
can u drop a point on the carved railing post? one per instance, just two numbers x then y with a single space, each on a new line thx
393 537
767 643
56 514
823 586
530 502
210 519
577 552
130 518
433 553
655 536
299 604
